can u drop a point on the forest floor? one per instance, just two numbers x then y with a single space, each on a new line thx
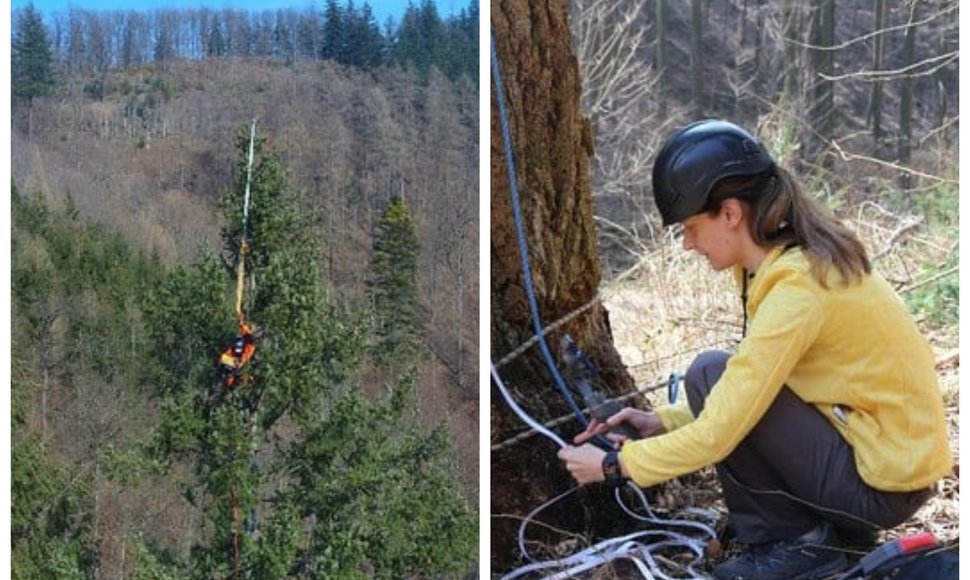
671 306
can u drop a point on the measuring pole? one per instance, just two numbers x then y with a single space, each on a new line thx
243 246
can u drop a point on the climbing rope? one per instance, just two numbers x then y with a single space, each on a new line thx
240 286
523 245
243 244
633 547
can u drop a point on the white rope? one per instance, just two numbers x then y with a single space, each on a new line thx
532 514
522 414
632 547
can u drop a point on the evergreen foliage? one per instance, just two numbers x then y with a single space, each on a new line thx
295 466
341 32
362 459
31 57
420 39
393 288
74 291
49 538
298 380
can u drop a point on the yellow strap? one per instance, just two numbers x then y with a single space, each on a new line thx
240 277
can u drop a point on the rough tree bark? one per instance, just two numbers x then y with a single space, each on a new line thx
552 145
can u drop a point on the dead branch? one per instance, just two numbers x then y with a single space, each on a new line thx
941 14
882 75
929 280
910 225
846 156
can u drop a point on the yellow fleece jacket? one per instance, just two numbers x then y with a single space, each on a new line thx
853 347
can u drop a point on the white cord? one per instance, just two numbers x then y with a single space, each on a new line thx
532 514
632 547
637 547
539 427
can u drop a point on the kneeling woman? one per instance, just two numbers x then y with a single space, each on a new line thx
828 419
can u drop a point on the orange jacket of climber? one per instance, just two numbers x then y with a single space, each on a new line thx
234 358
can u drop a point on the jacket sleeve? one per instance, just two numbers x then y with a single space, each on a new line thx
674 417
787 322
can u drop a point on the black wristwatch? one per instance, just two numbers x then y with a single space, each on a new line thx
611 469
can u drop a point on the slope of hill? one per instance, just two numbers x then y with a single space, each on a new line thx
151 153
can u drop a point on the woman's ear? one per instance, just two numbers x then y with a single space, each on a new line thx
733 211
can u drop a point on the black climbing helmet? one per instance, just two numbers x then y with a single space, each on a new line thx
695 158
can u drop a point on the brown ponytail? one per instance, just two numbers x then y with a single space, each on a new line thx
783 215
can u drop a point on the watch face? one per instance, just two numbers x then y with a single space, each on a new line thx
611 466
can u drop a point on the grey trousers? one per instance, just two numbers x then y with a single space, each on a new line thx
794 470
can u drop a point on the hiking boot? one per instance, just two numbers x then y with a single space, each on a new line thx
808 557
858 539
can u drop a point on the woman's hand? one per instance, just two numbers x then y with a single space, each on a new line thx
646 423
584 463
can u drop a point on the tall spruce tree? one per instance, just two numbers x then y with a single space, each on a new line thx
393 287
368 44
332 42
420 37
31 61
296 473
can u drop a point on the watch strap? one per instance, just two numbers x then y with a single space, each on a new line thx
611 469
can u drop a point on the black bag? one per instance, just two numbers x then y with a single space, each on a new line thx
940 564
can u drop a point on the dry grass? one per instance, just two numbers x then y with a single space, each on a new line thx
671 306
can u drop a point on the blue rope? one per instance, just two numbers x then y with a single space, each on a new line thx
523 246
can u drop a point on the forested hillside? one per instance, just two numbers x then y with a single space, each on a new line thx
350 450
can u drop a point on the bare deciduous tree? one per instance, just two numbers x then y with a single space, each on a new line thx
878 49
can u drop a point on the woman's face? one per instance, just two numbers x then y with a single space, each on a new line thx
717 237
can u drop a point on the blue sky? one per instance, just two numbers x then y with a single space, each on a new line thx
382 8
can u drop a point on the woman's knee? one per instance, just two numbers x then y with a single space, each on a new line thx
701 376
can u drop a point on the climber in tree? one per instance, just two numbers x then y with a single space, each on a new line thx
234 358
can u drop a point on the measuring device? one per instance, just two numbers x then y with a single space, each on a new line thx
580 372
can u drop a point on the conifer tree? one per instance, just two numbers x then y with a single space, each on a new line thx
368 44
420 37
297 474
75 289
332 43
31 60
393 288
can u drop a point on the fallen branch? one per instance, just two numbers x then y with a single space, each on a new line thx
929 280
895 237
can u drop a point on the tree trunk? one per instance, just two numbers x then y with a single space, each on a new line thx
790 18
823 103
697 57
759 46
875 93
906 99
552 146
662 58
